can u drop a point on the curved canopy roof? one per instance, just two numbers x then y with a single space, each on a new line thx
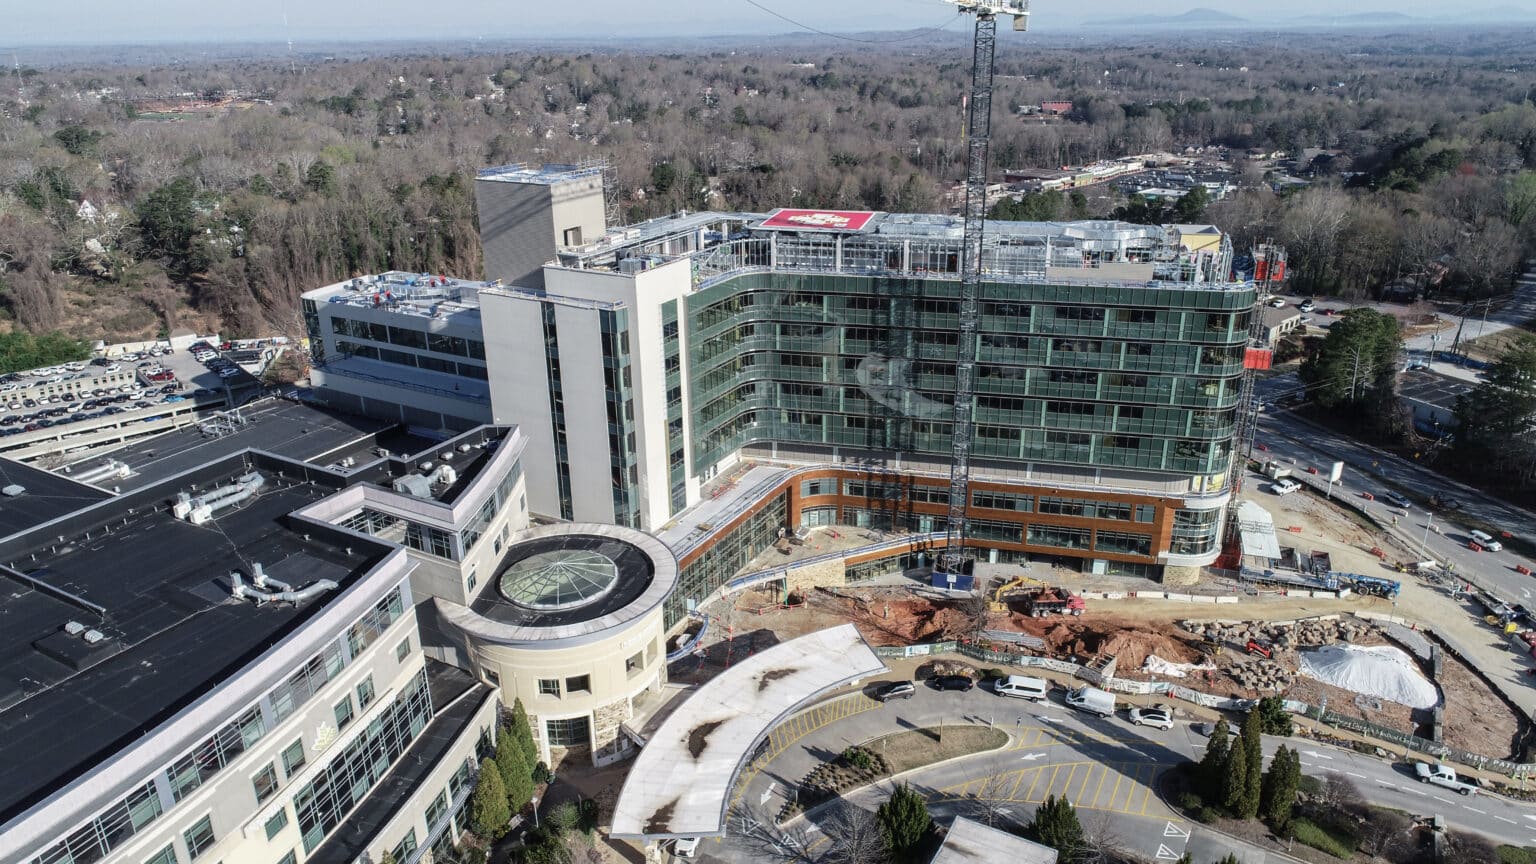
681 782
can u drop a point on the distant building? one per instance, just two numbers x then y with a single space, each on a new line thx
1056 107
1431 397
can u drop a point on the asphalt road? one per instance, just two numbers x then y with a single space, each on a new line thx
1106 767
1441 534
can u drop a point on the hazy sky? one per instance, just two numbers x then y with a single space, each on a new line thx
122 21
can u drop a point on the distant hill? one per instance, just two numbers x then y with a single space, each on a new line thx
1199 17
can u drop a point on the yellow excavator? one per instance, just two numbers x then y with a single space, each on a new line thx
997 602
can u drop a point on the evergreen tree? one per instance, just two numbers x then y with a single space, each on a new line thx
1280 784
904 822
1253 759
516 776
1056 825
488 810
1234 773
1214 765
522 732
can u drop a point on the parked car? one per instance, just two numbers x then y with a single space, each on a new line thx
1092 700
1157 718
895 690
1306 305
1207 728
1485 540
1277 302
1022 687
952 682
685 847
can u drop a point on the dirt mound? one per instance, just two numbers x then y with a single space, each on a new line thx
904 622
1090 634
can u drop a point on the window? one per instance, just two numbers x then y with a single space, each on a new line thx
406 846
567 733
290 858
1002 501
635 663
403 650
1146 512
365 693
437 810
293 757
470 584
164 856
549 686
1055 535
265 782
199 837
578 684
343 712
1125 544
277 823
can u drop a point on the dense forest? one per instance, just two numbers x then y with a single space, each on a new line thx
218 192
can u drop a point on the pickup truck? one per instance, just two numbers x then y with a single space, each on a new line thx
1442 775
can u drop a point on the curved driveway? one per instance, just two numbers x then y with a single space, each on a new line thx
1105 766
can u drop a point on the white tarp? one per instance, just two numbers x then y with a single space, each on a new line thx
1155 665
1383 671
1257 529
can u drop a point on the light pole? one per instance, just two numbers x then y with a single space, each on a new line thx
1424 544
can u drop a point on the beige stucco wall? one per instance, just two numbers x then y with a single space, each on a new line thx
612 685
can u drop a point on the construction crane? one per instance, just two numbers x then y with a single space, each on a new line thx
979 130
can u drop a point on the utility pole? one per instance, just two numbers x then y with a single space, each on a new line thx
1354 374
1424 543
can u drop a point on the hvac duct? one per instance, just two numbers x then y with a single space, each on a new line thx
109 470
200 509
240 590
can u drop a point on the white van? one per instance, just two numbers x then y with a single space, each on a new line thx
685 847
1485 540
1092 700
1022 687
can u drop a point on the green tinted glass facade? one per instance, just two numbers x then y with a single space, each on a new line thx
1122 376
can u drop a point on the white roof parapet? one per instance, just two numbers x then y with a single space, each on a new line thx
680 784
974 843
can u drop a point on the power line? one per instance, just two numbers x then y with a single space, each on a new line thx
918 35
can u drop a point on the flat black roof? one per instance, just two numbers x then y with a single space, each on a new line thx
634 568
157 587
294 429
48 496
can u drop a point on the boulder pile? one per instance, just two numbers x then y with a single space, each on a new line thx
1303 634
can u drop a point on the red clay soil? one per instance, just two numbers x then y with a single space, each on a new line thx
906 622
1130 641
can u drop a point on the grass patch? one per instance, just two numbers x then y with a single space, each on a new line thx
1336 842
1517 855
918 747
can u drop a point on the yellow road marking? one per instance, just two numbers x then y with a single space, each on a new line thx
1015 789
1103 775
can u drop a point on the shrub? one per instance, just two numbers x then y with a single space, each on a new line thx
1189 801
1206 815
993 674
1335 842
1310 786
1273 716
859 758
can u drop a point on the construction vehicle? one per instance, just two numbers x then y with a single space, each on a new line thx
998 601
1259 649
1371 586
1053 600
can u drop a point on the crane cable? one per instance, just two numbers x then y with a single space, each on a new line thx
918 35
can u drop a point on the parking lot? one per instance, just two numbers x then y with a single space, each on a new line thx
79 392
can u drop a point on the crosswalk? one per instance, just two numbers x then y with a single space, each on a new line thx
1116 787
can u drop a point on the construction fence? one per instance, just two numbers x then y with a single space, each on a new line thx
1514 770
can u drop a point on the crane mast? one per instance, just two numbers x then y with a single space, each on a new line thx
978 131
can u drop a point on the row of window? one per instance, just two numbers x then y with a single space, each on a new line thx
197 766
335 789
419 361
407 337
